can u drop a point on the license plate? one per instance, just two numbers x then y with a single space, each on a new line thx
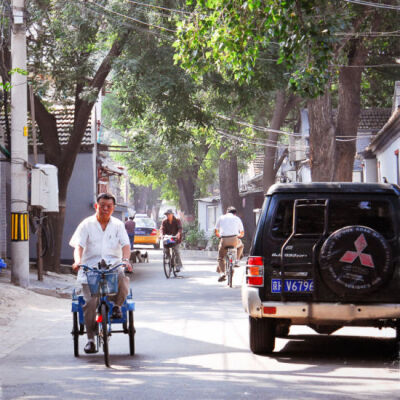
292 285
140 232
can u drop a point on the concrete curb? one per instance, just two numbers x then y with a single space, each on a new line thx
200 253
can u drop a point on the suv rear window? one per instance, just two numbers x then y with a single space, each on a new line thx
376 214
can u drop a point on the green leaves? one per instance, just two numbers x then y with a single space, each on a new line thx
231 37
18 71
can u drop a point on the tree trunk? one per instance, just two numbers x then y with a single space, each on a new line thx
349 112
229 183
322 138
141 195
187 187
55 222
283 105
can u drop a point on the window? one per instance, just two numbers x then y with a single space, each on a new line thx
376 214
145 223
310 217
282 223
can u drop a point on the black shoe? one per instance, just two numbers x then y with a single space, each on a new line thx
222 278
90 348
116 313
178 268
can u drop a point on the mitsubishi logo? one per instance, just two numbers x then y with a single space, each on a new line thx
350 256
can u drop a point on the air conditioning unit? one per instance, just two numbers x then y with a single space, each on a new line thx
292 148
297 148
44 187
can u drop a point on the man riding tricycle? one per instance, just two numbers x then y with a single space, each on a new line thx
101 257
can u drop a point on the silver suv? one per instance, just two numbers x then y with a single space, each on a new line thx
324 255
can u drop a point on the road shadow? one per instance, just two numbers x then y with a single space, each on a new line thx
339 349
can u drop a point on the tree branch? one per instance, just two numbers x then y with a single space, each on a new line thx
83 109
278 164
48 131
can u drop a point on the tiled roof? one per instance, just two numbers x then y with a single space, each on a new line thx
373 119
65 121
388 132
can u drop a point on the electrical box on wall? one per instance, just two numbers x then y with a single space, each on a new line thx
44 187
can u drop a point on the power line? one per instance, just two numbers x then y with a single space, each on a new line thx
258 128
154 12
132 19
366 66
292 134
89 7
257 142
159 7
373 4
124 16
368 34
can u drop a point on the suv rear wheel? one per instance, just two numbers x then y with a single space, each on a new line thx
262 335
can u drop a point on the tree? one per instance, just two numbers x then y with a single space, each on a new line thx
169 120
311 37
70 56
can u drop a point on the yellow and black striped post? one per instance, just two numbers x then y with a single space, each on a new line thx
19 227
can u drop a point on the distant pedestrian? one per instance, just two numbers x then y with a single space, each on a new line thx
130 230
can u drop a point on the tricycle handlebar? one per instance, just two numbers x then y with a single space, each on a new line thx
94 269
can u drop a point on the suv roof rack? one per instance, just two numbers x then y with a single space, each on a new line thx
335 187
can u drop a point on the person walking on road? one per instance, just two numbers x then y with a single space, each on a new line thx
130 225
229 228
172 225
101 237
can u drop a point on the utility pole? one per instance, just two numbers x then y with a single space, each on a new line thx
19 149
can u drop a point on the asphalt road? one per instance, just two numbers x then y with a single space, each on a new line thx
192 343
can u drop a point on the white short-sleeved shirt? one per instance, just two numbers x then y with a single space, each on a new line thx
98 244
229 225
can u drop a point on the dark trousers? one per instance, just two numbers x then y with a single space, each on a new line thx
131 239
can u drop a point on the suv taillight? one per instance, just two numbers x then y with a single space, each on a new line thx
153 232
255 271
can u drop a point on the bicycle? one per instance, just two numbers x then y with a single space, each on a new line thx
169 261
103 281
230 260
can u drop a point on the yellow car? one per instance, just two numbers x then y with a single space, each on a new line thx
146 232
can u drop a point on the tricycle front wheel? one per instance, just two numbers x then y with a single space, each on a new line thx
131 332
104 332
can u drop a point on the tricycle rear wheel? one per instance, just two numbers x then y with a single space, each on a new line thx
75 333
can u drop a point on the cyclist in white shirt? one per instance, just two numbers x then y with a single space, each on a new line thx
98 237
229 228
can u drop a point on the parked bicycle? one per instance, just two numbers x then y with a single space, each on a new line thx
169 261
103 281
230 260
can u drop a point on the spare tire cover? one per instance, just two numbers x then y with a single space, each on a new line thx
354 260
